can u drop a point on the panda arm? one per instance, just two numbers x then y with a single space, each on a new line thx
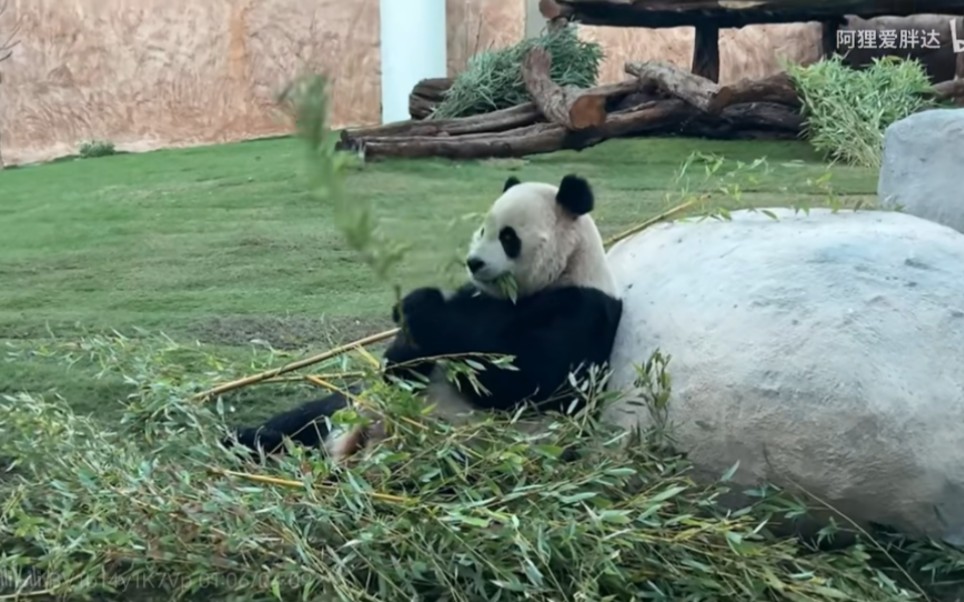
403 355
404 359
549 333
464 323
560 331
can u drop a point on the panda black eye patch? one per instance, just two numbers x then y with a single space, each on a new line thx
510 242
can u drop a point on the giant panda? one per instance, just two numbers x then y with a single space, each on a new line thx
563 319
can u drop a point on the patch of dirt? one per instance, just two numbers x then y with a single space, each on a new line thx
285 332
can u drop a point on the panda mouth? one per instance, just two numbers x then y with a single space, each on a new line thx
487 278
490 286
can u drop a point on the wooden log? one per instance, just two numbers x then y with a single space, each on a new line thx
952 89
764 116
426 95
540 138
725 14
574 108
493 121
706 52
661 98
751 120
550 9
777 88
555 19
668 116
636 100
694 89
828 37
421 108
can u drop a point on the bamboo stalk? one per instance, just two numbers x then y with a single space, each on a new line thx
328 375
250 380
650 222
269 480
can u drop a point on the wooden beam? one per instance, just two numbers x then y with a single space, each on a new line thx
738 13
706 52
959 64
828 42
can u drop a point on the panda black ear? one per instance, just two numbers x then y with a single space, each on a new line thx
575 195
510 182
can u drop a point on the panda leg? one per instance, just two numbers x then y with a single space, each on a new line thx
306 424
343 444
449 404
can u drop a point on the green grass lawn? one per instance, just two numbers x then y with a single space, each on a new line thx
224 244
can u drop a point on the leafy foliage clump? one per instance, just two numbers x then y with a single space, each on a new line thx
472 512
92 149
847 110
492 79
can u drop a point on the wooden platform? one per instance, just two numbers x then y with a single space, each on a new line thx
709 16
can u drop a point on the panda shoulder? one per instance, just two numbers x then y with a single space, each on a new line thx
579 295
576 302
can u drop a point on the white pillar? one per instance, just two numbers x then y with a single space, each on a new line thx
413 43
535 22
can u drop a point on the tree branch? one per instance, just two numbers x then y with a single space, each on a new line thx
574 108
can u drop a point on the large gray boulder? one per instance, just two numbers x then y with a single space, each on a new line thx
822 351
921 166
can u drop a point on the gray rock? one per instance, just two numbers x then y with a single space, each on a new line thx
921 166
825 351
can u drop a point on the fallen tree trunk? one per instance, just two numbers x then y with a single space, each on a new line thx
494 121
426 95
503 119
952 90
667 116
751 120
571 107
535 139
777 88
694 89
709 97
764 115
673 116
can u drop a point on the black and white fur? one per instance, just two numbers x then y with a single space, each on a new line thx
563 320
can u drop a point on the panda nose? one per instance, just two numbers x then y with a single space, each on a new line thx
474 264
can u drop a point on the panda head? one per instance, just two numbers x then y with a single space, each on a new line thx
540 234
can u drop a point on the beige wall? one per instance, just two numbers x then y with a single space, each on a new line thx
153 73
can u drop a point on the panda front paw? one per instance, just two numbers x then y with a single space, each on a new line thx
419 314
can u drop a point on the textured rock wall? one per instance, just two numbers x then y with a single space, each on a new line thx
155 73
